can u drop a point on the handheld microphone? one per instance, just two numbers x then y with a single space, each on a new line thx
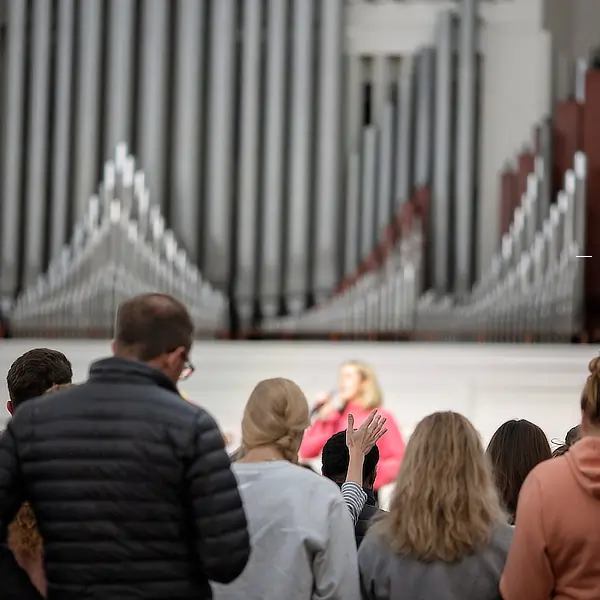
335 400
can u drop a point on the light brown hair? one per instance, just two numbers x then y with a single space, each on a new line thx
276 414
590 402
445 504
370 392
24 538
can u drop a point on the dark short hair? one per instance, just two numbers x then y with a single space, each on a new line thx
336 458
35 372
151 325
573 435
514 450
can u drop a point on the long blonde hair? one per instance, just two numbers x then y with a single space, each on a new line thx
445 504
370 392
276 414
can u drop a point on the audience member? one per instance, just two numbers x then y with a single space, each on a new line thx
302 536
29 376
35 372
516 448
573 435
130 484
24 538
336 460
446 535
368 433
556 547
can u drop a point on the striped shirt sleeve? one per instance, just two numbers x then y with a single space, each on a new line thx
355 499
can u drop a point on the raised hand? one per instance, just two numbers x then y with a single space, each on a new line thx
367 435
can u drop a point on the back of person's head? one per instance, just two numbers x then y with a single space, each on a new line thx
276 415
35 372
445 503
155 329
515 449
590 400
573 435
336 458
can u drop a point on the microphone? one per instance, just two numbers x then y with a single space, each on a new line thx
334 400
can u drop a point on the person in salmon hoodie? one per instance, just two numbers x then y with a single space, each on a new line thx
556 548
358 393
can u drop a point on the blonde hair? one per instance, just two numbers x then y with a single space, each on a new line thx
370 392
24 538
276 414
590 401
445 504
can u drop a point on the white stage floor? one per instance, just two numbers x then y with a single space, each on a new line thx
488 383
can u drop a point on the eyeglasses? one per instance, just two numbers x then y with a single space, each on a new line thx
188 369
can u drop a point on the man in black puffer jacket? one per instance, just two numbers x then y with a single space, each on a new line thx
130 483
336 458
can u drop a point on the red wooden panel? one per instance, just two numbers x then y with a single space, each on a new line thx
526 166
591 147
568 139
422 200
509 198
405 218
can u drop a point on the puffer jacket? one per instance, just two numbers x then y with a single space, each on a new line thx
131 486
14 582
369 512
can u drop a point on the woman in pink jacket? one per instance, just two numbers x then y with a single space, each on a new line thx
359 394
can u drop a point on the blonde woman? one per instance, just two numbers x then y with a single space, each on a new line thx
445 536
302 536
358 394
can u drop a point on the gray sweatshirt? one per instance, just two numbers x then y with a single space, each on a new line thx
302 537
387 576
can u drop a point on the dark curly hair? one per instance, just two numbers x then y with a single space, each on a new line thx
336 458
35 372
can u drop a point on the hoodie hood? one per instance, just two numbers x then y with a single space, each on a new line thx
583 459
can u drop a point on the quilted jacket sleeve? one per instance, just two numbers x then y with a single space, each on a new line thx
11 493
221 531
15 583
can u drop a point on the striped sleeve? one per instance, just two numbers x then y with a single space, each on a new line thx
355 499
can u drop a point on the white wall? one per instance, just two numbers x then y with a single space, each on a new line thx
517 84
487 383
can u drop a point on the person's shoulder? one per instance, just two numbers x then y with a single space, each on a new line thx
371 548
312 485
502 536
547 472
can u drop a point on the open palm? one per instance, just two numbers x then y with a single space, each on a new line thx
367 435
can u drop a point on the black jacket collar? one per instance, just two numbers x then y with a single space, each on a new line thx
122 370
371 500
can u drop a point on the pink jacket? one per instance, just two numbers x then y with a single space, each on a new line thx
391 445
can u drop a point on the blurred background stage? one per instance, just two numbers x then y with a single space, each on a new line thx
487 383
350 171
